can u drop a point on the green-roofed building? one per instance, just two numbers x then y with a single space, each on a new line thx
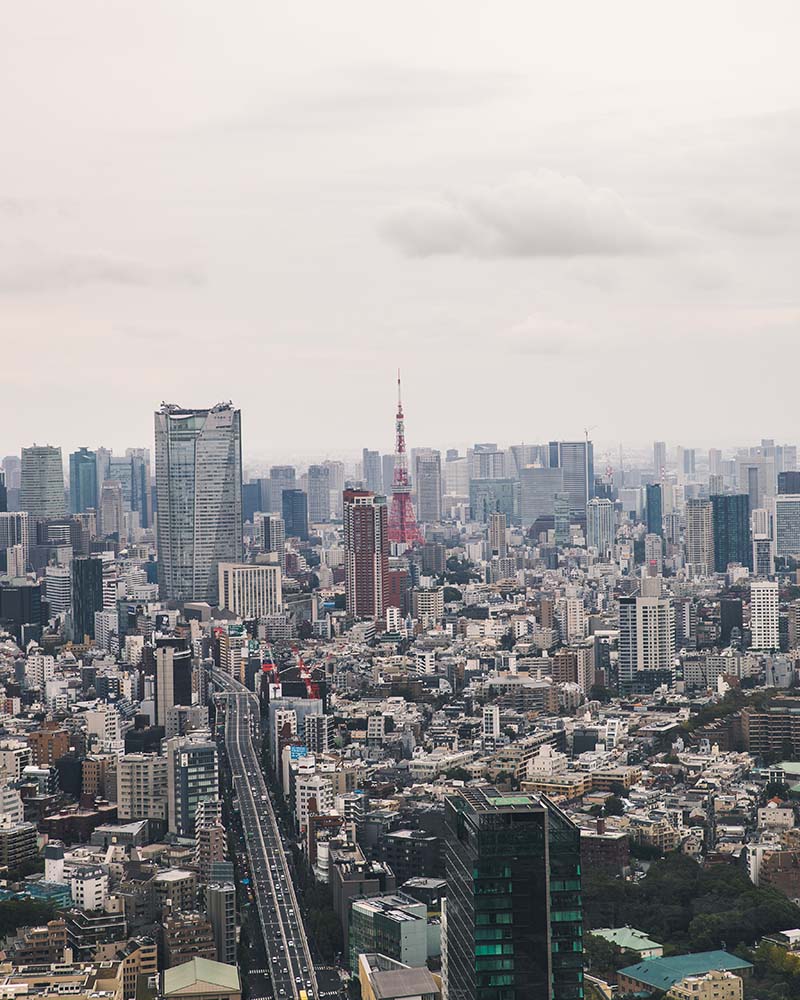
202 979
629 939
663 973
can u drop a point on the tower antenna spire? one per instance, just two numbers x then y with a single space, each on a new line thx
402 522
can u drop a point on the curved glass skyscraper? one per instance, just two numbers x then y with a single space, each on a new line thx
199 490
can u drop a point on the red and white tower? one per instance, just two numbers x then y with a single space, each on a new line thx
402 522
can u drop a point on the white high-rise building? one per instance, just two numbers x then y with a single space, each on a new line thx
764 615
572 620
600 527
58 588
491 722
700 536
142 786
250 591
646 642
42 486
199 488
313 793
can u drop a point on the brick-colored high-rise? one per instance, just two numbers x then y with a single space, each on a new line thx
366 542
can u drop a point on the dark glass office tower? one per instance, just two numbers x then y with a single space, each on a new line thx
789 482
294 504
514 919
87 595
730 620
3 493
731 518
654 510
82 481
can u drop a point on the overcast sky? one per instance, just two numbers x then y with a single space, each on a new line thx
551 215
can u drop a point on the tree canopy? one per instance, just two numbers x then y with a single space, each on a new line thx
687 907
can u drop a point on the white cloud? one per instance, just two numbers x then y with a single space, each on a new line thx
543 214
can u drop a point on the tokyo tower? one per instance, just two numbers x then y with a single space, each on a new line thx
402 523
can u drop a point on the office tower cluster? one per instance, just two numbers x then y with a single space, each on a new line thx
471 682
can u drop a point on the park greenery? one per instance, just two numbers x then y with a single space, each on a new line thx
687 907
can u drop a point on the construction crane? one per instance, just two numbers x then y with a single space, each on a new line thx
312 688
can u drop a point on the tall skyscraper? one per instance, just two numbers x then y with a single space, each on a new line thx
199 490
87 595
372 470
538 489
112 509
103 458
486 461
366 547
513 921
576 460
489 495
700 536
498 525
660 458
403 528
654 509
789 482
646 643
3 493
82 481
141 492
270 531
731 513
786 525
714 462
764 615
294 505
12 466
319 494
336 487
600 526
42 482
562 519
281 477
173 676
428 475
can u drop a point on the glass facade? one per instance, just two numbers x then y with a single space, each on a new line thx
82 481
514 913
654 509
731 515
199 488
787 525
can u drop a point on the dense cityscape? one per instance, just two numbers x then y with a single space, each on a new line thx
519 722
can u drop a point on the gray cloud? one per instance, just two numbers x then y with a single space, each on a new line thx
543 214
56 274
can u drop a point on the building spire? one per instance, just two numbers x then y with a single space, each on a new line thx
402 522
